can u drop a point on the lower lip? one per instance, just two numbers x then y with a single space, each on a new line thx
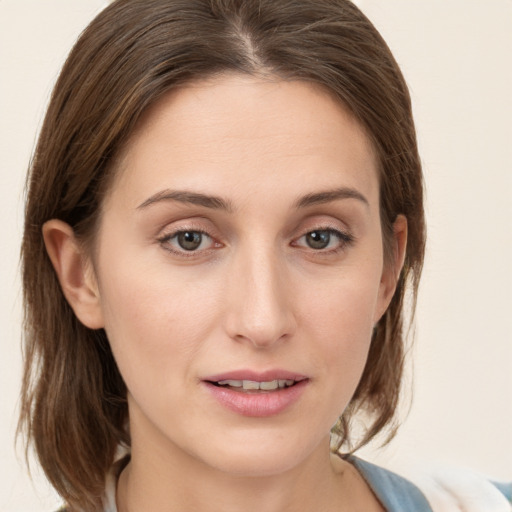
257 404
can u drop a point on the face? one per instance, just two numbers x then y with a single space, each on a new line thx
239 270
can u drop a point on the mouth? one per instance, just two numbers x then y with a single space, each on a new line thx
254 386
257 394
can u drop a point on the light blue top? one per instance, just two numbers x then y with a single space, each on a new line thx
394 492
505 489
397 494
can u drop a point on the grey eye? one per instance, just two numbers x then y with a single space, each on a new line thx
318 239
189 240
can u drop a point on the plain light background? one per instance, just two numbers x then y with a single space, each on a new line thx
456 56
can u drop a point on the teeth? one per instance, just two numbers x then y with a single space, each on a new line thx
254 385
268 386
232 383
250 384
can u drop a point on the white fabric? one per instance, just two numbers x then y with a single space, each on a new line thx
109 499
454 490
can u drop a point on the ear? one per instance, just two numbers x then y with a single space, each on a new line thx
74 271
393 267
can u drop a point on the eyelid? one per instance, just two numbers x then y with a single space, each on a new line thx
195 223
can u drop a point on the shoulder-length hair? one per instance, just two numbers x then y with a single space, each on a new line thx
73 407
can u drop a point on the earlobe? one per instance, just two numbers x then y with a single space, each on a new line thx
74 271
393 267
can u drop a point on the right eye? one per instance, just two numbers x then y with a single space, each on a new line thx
187 241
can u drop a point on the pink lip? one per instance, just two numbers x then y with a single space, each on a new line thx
257 404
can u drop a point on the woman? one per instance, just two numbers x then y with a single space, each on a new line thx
224 215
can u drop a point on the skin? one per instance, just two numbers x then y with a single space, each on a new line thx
254 294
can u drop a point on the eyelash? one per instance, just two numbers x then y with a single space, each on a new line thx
344 241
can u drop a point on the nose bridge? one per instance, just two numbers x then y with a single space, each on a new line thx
260 305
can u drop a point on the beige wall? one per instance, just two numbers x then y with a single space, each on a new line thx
456 55
457 58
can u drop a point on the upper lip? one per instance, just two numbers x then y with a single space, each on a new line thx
256 376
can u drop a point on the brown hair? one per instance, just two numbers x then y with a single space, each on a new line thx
73 398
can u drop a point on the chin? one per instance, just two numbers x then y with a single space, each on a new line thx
259 456
257 466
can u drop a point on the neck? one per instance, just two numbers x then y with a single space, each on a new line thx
170 480
164 476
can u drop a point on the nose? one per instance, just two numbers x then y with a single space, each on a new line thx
260 299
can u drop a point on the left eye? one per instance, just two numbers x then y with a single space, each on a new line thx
188 241
323 239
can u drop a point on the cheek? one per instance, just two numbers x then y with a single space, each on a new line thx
339 317
343 305
154 319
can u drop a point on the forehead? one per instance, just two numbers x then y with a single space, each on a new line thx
238 129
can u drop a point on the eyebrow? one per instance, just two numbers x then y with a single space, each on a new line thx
218 203
330 195
183 196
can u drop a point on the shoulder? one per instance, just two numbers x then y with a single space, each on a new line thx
395 492
454 489
439 489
